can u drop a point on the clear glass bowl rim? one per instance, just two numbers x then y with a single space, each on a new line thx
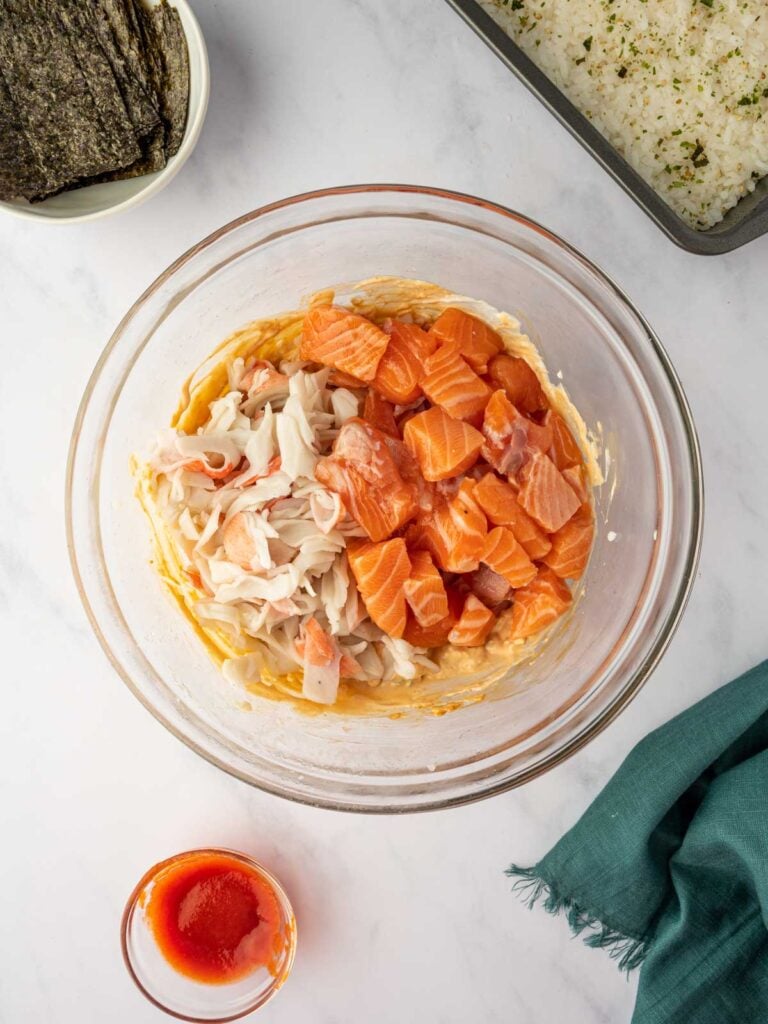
656 650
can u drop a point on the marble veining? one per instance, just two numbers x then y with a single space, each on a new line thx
408 919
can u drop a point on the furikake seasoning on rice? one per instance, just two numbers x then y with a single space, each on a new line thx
678 87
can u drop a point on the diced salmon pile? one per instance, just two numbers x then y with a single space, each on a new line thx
472 491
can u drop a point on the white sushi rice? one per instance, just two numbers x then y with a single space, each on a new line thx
678 87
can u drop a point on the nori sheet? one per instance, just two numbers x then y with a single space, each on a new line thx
90 90
117 37
20 172
63 89
168 59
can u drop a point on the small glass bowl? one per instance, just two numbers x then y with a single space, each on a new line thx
182 997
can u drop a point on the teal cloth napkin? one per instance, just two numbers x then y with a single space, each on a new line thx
669 866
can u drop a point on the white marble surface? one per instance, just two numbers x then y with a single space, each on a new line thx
406 920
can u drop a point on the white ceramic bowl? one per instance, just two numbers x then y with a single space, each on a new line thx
109 197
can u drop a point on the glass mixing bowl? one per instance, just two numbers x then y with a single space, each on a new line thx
649 511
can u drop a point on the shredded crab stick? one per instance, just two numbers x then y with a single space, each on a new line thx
252 474
214 457
327 510
387 490
241 538
322 664
263 382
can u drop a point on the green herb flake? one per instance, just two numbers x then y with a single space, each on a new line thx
698 156
622 72
587 44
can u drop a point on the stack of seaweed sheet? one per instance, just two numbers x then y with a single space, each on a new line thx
90 91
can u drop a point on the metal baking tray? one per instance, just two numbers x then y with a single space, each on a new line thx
741 224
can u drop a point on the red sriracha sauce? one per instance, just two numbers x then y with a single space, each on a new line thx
215 918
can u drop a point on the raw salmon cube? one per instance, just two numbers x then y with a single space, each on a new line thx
488 585
380 413
454 532
538 605
335 337
408 468
510 437
577 478
571 546
451 383
339 379
564 452
499 502
545 494
424 590
437 635
380 570
443 446
364 473
518 381
472 337
502 553
402 364
475 623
